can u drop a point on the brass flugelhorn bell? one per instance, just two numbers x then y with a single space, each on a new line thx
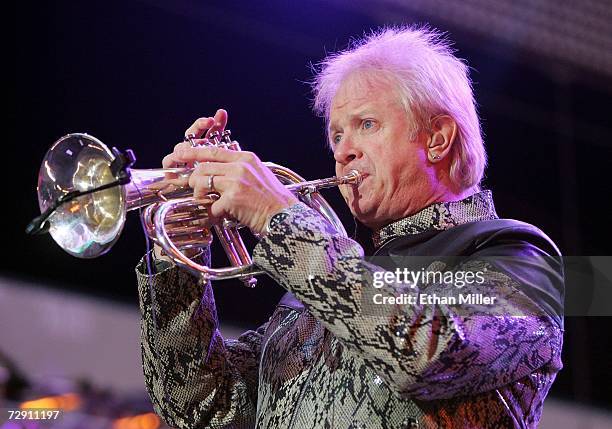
84 197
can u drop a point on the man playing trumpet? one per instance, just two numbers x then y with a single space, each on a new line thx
399 108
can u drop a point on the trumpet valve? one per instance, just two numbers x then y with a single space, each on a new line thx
215 138
229 143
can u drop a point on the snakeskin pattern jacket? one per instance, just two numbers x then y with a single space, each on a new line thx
331 357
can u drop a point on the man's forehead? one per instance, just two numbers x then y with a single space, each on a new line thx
352 105
357 95
351 98
356 89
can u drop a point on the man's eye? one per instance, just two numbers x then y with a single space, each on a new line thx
337 138
367 124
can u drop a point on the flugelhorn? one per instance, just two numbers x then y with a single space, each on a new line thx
85 190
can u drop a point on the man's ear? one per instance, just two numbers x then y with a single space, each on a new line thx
443 134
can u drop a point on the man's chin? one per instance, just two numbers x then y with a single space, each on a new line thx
364 213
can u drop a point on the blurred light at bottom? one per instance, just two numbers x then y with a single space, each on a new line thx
142 421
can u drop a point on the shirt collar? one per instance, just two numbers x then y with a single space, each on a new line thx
440 216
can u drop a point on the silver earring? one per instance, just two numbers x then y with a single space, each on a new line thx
434 156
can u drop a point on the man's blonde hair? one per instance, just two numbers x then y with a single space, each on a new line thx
430 81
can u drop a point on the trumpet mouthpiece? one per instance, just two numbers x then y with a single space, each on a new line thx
353 178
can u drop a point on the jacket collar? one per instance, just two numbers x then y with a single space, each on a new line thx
440 216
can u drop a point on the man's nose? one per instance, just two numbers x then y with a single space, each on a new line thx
346 151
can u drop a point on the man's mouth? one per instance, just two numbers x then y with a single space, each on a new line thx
362 173
356 186
364 176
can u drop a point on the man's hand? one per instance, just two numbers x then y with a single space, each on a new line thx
249 191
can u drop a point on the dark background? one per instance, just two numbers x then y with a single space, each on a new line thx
137 73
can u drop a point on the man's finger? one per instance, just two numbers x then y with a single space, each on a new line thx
208 168
168 161
202 173
218 209
208 153
201 185
200 126
182 145
220 122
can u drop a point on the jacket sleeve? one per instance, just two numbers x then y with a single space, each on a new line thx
194 377
423 351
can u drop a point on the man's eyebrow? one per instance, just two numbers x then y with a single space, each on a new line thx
365 110
358 114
